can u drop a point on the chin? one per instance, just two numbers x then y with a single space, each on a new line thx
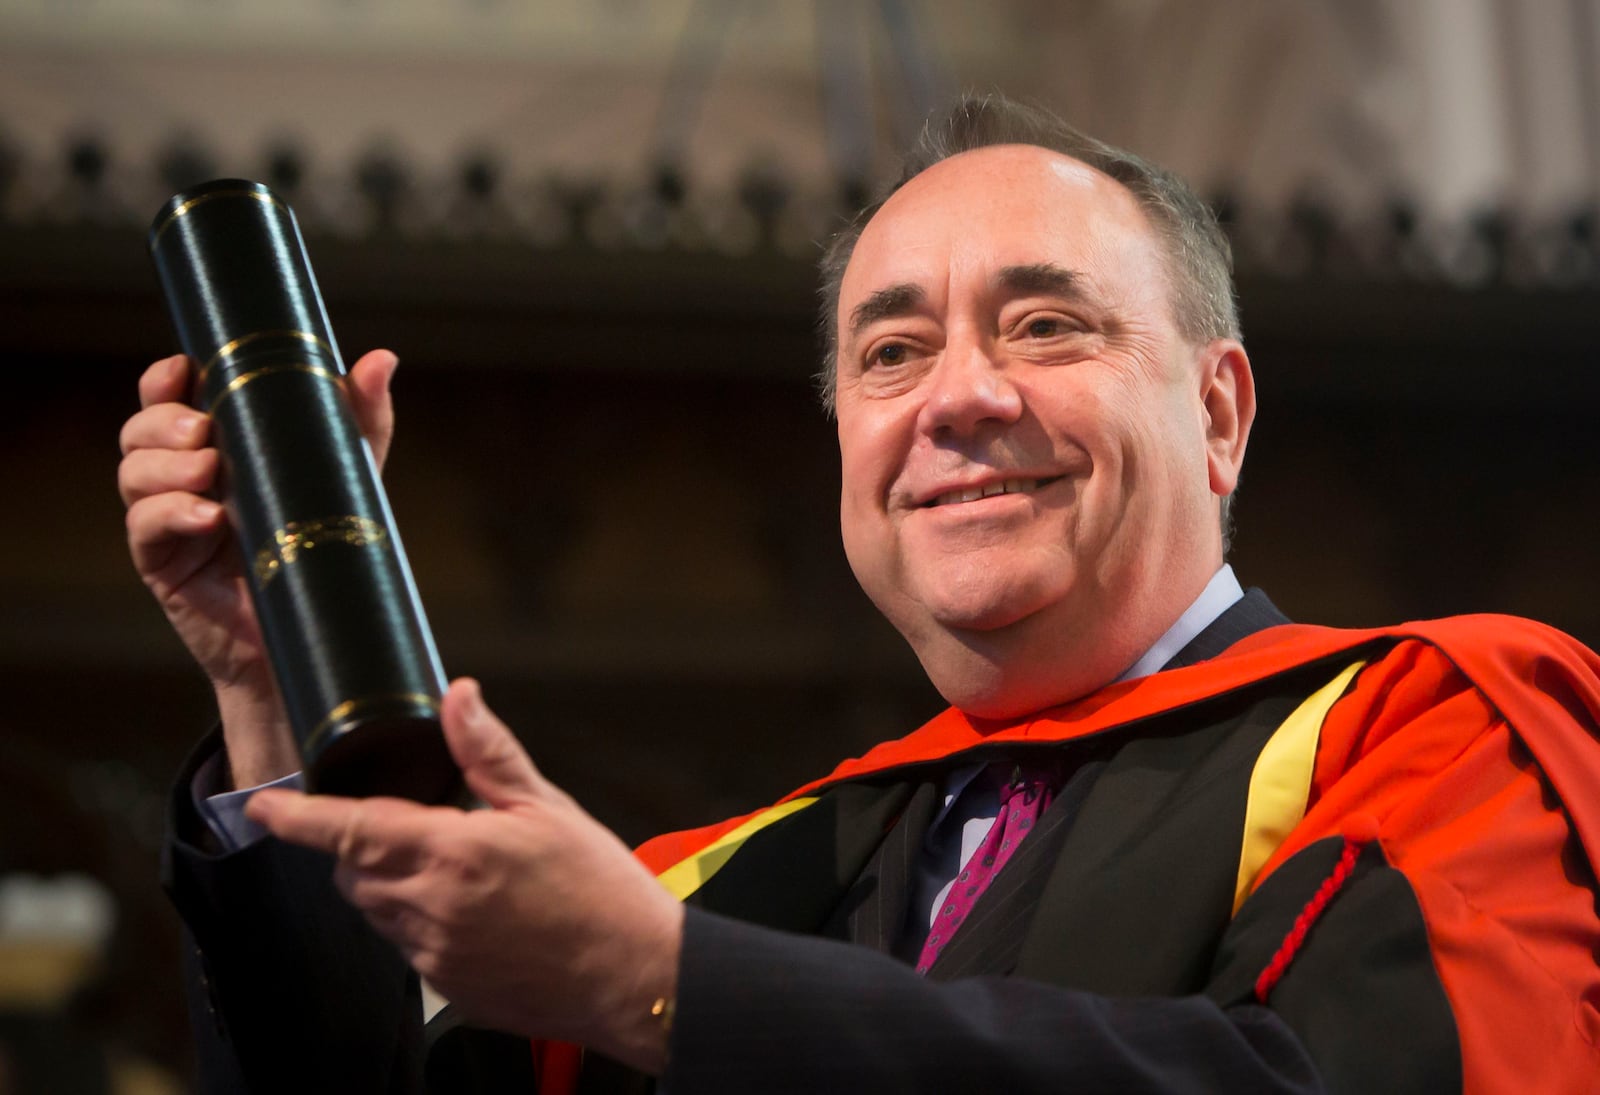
985 606
1005 672
999 707
989 692
972 669
998 696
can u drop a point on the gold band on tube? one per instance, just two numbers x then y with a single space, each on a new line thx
265 199
350 708
255 336
268 370
297 536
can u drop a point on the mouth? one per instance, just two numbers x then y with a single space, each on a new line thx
989 490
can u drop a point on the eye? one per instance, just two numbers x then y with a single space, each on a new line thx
891 353
1045 325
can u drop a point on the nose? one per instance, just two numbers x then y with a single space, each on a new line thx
968 388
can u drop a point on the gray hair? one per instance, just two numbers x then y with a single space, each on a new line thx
1198 257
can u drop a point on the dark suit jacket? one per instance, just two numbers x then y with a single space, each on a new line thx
284 974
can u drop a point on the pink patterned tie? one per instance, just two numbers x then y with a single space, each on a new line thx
1023 797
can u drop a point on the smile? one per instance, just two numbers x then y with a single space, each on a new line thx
989 490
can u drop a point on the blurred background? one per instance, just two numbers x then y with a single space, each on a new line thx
589 230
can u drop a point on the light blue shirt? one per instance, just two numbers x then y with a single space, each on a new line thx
224 812
970 808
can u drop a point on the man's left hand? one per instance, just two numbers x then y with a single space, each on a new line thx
530 916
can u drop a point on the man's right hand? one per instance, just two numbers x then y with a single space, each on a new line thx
182 547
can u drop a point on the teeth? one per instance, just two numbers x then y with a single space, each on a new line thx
972 494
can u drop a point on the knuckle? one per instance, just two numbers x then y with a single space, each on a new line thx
447 912
148 519
151 386
138 520
349 847
126 487
392 917
428 963
143 472
455 860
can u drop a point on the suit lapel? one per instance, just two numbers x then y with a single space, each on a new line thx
1158 830
873 911
992 937
843 867
792 874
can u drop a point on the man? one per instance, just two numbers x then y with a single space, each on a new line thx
1161 841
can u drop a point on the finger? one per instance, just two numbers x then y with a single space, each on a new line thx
164 526
371 891
491 759
165 426
408 928
387 894
370 400
390 905
166 381
379 835
145 472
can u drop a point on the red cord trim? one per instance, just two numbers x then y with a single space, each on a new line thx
556 1066
1308 916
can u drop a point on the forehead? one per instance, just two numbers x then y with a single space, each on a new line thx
975 214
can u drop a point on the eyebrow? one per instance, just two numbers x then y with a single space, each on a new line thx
896 300
905 298
1043 277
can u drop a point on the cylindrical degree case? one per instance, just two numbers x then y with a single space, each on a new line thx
339 612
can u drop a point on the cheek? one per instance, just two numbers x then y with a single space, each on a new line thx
871 550
1163 468
873 443
855 501
860 508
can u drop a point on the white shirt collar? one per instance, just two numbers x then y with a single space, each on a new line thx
1220 594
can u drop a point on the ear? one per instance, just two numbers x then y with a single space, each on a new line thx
1228 401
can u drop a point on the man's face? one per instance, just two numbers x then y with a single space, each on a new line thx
1029 460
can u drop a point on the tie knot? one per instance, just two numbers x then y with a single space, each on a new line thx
1022 782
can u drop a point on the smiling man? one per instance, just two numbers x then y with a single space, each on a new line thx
1033 452
1162 840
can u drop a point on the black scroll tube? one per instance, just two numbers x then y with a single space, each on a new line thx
339 612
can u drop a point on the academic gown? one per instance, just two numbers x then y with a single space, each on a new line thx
1355 859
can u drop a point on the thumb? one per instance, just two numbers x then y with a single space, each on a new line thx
368 385
492 761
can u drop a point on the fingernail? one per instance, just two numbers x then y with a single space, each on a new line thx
191 423
206 510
